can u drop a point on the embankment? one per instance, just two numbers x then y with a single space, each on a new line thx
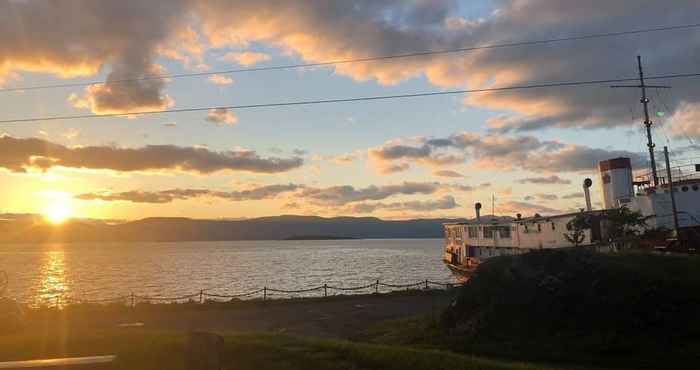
621 310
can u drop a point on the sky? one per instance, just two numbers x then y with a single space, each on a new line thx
527 151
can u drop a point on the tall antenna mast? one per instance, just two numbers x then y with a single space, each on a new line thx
647 121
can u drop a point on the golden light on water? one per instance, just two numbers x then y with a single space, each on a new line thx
53 281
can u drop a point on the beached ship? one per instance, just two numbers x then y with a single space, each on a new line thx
668 198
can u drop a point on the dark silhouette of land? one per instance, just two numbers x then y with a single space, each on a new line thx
161 229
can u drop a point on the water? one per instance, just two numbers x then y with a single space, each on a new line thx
39 273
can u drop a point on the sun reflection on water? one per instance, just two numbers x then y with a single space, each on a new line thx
53 281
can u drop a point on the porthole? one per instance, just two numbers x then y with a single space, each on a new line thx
696 188
685 188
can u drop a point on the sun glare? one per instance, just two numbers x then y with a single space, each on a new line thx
57 213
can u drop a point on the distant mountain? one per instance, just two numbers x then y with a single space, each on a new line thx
29 229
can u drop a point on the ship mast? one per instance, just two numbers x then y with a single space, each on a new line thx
647 120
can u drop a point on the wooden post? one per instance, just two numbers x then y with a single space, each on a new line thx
133 300
426 284
264 293
201 296
376 287
325 290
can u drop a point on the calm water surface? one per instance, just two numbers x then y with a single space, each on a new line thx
41 272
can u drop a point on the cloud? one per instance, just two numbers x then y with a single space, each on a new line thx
319 33
554 179
578 195
684 122
124 92
524 208
221 116
547 196
220 80
496 151
128 36
90 36
341 195
446 202
72 134
168 196
394 168
345 158
447 173
246 58
22 154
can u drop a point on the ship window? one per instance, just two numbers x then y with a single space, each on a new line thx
488 232
553 226
539 228
526 229
695 188
685 188
472 231
504 232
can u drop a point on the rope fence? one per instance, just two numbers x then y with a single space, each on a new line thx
265 293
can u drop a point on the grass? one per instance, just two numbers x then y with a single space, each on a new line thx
630 310
146 350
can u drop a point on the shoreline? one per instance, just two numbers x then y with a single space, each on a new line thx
342 316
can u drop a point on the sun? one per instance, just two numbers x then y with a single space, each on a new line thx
57 212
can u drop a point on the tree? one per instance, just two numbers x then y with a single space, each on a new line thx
624 225
577 227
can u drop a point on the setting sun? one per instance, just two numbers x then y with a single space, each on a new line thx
57 213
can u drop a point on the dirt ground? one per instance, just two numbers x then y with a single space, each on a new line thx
338 317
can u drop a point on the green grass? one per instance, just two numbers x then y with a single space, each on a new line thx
627 311
146 350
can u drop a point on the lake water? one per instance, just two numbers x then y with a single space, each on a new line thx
42 272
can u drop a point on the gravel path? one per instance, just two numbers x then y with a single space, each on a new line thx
338 317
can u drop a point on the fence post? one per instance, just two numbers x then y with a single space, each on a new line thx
325 290
376 287
133 300
58 302
201 296
426 284
264 293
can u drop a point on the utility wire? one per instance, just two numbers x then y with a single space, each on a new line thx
357 99
360 60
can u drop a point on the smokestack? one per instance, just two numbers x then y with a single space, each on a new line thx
477 208
587 192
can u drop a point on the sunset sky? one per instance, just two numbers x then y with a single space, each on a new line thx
404 158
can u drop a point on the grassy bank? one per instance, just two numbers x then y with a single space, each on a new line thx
142 350
570 306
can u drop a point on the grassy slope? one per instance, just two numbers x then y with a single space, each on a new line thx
614 311
141 350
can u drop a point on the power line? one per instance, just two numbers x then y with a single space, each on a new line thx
357 99
359 60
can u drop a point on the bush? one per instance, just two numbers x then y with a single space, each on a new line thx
559 304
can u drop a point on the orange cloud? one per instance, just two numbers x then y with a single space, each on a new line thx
221 116
246 58
220 80
20 155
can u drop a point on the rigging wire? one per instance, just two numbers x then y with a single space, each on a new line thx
352 100
360 60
